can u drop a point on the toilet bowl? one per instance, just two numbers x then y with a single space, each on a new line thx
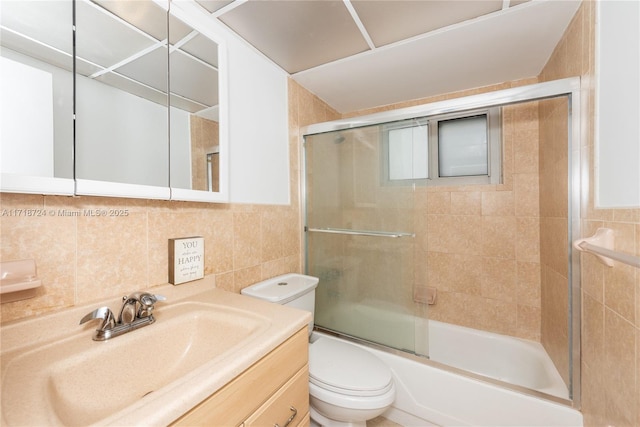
347 384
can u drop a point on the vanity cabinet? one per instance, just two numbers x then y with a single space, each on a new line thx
267 393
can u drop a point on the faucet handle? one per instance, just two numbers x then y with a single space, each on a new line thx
147 302
104 313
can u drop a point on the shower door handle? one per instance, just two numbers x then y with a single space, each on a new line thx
395 234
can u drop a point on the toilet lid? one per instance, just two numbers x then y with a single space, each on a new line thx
347 369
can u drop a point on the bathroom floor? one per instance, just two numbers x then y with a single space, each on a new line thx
381 422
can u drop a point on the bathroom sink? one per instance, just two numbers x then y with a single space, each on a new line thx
81 381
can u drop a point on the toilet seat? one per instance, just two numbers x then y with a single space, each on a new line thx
345 369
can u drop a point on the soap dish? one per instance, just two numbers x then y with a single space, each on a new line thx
18 280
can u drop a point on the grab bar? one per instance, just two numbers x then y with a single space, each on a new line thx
360 232
601 245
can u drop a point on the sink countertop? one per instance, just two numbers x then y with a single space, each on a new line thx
168 403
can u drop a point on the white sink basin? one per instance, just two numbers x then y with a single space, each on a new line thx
195 346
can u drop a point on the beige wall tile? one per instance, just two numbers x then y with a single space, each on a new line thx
593 397
105 242
247 239
439 203
619 365
593 335
527 195
554 245
225 281
499 279
528 283
528 239
246 276
497 203
454 234
620 280
466 203
499 236
272 235
555 315
483 313
455 272
528 322
525 138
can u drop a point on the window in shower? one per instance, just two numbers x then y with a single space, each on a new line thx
460 149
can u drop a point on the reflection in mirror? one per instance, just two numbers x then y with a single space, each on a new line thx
121 92
213 171
193 83
36 121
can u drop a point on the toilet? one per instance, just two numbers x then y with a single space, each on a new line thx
347 384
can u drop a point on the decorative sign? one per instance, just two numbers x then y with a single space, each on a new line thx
186 259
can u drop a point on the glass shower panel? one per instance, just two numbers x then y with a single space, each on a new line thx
384 241
360 241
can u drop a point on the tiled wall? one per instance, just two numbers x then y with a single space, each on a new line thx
554 226
81 258
479 245
610 296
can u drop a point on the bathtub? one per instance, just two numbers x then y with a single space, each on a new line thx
434 394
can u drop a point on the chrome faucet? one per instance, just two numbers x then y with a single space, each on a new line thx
136 312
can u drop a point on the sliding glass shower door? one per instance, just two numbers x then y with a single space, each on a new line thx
360 237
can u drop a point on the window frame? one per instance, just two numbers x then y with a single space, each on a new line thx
494 150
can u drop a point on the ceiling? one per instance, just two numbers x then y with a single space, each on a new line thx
357 54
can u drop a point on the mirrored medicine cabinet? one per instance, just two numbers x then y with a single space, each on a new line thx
147 90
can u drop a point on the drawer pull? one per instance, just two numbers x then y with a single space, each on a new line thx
295 412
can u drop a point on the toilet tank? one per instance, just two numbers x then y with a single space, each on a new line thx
293 290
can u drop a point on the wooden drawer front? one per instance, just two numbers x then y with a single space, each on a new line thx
306 421
277 410
241 397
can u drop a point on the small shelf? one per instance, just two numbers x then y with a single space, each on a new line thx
18 280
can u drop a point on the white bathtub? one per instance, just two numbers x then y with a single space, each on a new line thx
512 360
430 395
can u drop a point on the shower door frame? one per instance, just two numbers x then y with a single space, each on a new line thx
569 87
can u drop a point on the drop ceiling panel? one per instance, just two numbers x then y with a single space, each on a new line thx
193 79
134 88
214 5
48 22
149 69
103 40
202 48
513 44
178 30
381 18
297 34
13 42
143 14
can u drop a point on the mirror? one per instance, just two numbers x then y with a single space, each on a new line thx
157 117
36 54
194 112
147 110
122 119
